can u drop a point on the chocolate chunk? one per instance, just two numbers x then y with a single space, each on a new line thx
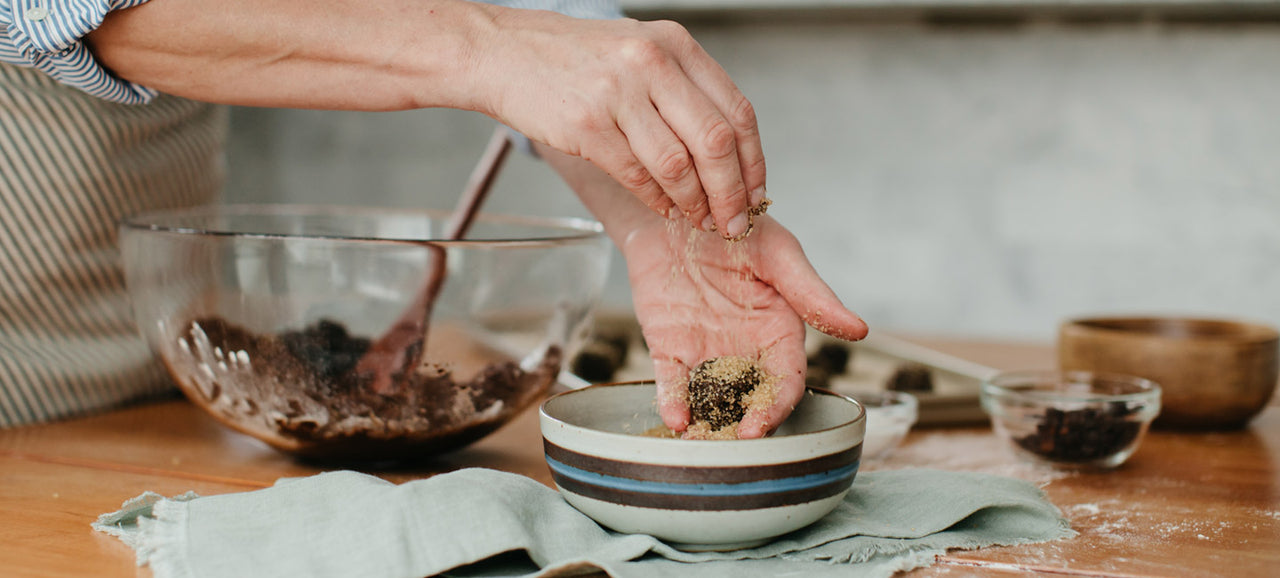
718 388
833 357
1082 435
617 340
911 377
602 356
596 362
326 348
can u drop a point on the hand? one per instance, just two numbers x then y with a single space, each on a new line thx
699 297
641 100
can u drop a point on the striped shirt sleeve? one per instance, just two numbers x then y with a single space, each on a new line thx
46 35
593 9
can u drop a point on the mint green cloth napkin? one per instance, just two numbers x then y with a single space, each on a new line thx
347 524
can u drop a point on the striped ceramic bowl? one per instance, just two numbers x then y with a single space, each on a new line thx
699 494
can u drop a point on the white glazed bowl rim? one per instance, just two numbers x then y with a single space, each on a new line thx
667 451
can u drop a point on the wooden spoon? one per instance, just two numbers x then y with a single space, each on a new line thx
403 346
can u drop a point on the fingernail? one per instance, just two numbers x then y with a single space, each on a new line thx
737 226
757 196
708 224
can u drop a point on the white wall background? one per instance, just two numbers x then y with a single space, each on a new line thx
953 180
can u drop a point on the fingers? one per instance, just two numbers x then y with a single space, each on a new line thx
701 142
787 367
737 110
791 274
667 161
672 379
612 153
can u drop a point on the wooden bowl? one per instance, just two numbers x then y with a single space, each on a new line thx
1215 374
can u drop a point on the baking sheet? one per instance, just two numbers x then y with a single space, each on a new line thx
954 400
956 382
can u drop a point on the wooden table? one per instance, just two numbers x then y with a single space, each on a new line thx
1185 505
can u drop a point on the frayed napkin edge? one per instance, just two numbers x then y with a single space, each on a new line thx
154 527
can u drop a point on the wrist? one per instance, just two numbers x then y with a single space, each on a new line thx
449 41
475 77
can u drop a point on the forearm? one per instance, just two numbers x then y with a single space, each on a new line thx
333 54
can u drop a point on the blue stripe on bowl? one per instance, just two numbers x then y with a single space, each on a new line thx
687 502
704 489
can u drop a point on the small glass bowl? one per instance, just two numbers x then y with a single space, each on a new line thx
890 414
1072 419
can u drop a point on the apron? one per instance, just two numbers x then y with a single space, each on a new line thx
71 166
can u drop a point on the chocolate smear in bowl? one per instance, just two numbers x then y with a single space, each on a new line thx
294 390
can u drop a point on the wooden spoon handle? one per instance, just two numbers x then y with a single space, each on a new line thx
404 345
478 186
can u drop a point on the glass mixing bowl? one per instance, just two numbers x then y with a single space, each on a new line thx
307 326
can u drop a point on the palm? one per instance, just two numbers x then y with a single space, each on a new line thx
699 297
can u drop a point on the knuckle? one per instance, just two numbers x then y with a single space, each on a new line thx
674 165
671 29
719 140
643 53
634 177
585 119
742 115
604 88
698 210
756 164
662 205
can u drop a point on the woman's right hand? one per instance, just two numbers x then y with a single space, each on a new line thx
640 100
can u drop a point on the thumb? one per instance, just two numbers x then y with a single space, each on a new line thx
672 378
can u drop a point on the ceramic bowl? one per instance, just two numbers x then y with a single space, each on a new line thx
890 415
1071 419
1215 374
697 495
277 320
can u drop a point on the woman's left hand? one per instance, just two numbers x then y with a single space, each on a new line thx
698 297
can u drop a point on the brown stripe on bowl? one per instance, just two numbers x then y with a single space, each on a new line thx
702 502
700 475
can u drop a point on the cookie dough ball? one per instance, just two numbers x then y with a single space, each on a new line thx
719 387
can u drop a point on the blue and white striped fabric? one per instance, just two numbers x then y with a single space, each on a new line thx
45 35
71 165
593 9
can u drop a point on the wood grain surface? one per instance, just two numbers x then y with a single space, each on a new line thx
1203 504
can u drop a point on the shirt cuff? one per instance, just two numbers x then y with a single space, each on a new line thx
46 35
592 9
